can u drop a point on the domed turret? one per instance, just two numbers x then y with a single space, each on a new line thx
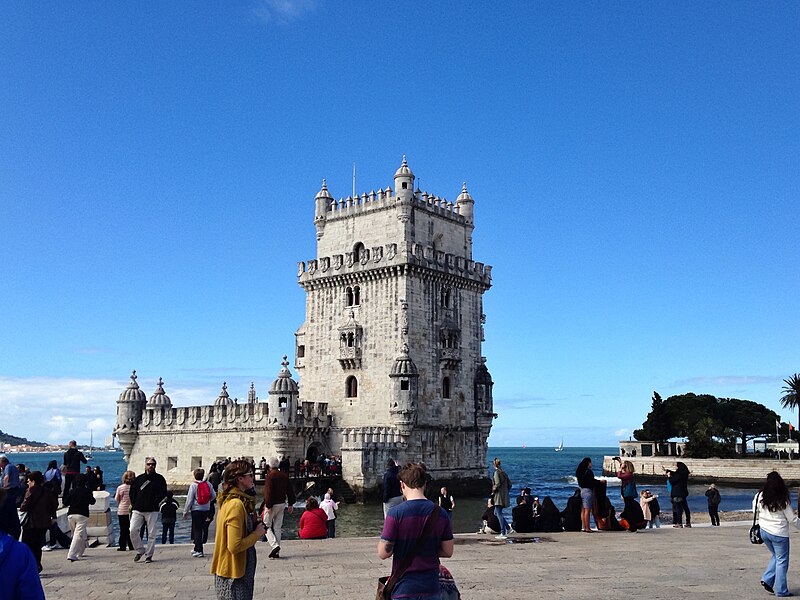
404 182
466 205
283 395
129 415
405 382
224 399
159 398
322 204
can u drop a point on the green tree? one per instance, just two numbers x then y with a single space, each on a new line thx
747 419
657 427
791 393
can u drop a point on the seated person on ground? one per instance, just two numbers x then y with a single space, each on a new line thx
522 516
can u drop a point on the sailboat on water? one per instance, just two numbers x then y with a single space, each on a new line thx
88 455
560 446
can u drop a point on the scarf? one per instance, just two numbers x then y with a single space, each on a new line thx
246 499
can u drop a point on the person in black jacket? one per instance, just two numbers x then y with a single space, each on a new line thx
147 492
679 479
392 496
72 466
78 499
522 516
41 504
712 493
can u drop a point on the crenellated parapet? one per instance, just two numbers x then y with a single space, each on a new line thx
193 418
385 200
408 253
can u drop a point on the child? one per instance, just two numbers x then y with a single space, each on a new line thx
650 508
330 507
169 514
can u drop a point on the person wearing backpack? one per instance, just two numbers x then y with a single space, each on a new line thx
198 503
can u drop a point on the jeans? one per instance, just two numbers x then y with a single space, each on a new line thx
654 522
498 512
681 506
775 575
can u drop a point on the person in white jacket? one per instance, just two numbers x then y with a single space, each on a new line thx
775 514
330 507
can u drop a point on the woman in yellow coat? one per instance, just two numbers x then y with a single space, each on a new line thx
238 530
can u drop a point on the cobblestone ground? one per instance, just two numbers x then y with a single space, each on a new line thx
667 563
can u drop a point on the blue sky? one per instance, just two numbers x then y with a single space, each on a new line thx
634 167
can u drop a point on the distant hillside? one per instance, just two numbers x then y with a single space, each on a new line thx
6 438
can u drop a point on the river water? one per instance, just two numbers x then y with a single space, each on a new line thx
546 472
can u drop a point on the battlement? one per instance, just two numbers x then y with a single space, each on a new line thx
245 416
385 199
394 254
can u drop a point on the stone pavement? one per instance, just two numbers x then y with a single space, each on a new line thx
663 563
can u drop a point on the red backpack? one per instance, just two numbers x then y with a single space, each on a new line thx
203 492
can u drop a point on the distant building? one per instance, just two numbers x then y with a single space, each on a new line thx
388 358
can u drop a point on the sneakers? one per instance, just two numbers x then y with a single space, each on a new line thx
511 531
276 552
149 559
138 557
502 536
688 525
198 554
47 548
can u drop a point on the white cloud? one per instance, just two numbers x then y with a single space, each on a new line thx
284 11
725 381
59 409
622 433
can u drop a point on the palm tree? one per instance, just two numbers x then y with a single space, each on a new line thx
791 393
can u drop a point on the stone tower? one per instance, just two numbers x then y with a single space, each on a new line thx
393 330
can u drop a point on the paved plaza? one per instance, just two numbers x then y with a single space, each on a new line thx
666 563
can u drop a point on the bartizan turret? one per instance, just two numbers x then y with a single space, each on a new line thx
322 204
129 415
404 191
405 393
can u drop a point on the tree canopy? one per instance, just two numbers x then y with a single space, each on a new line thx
710 425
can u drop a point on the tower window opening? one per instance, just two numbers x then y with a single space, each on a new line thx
282 403
356 296
350 340
358 251
446 387
447 298
351 387
301 351
349 297
404 384
405 185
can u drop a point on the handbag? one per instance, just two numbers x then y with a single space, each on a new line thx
386 584
755 530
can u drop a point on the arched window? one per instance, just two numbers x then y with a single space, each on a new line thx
356 296
282 403
358 251
351 387
348 300
447 297
446 387
350 340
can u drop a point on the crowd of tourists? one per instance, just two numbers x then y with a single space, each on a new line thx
417 527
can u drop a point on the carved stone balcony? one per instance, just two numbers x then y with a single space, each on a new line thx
350 357
449 358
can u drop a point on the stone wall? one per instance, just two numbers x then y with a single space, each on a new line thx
747 471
